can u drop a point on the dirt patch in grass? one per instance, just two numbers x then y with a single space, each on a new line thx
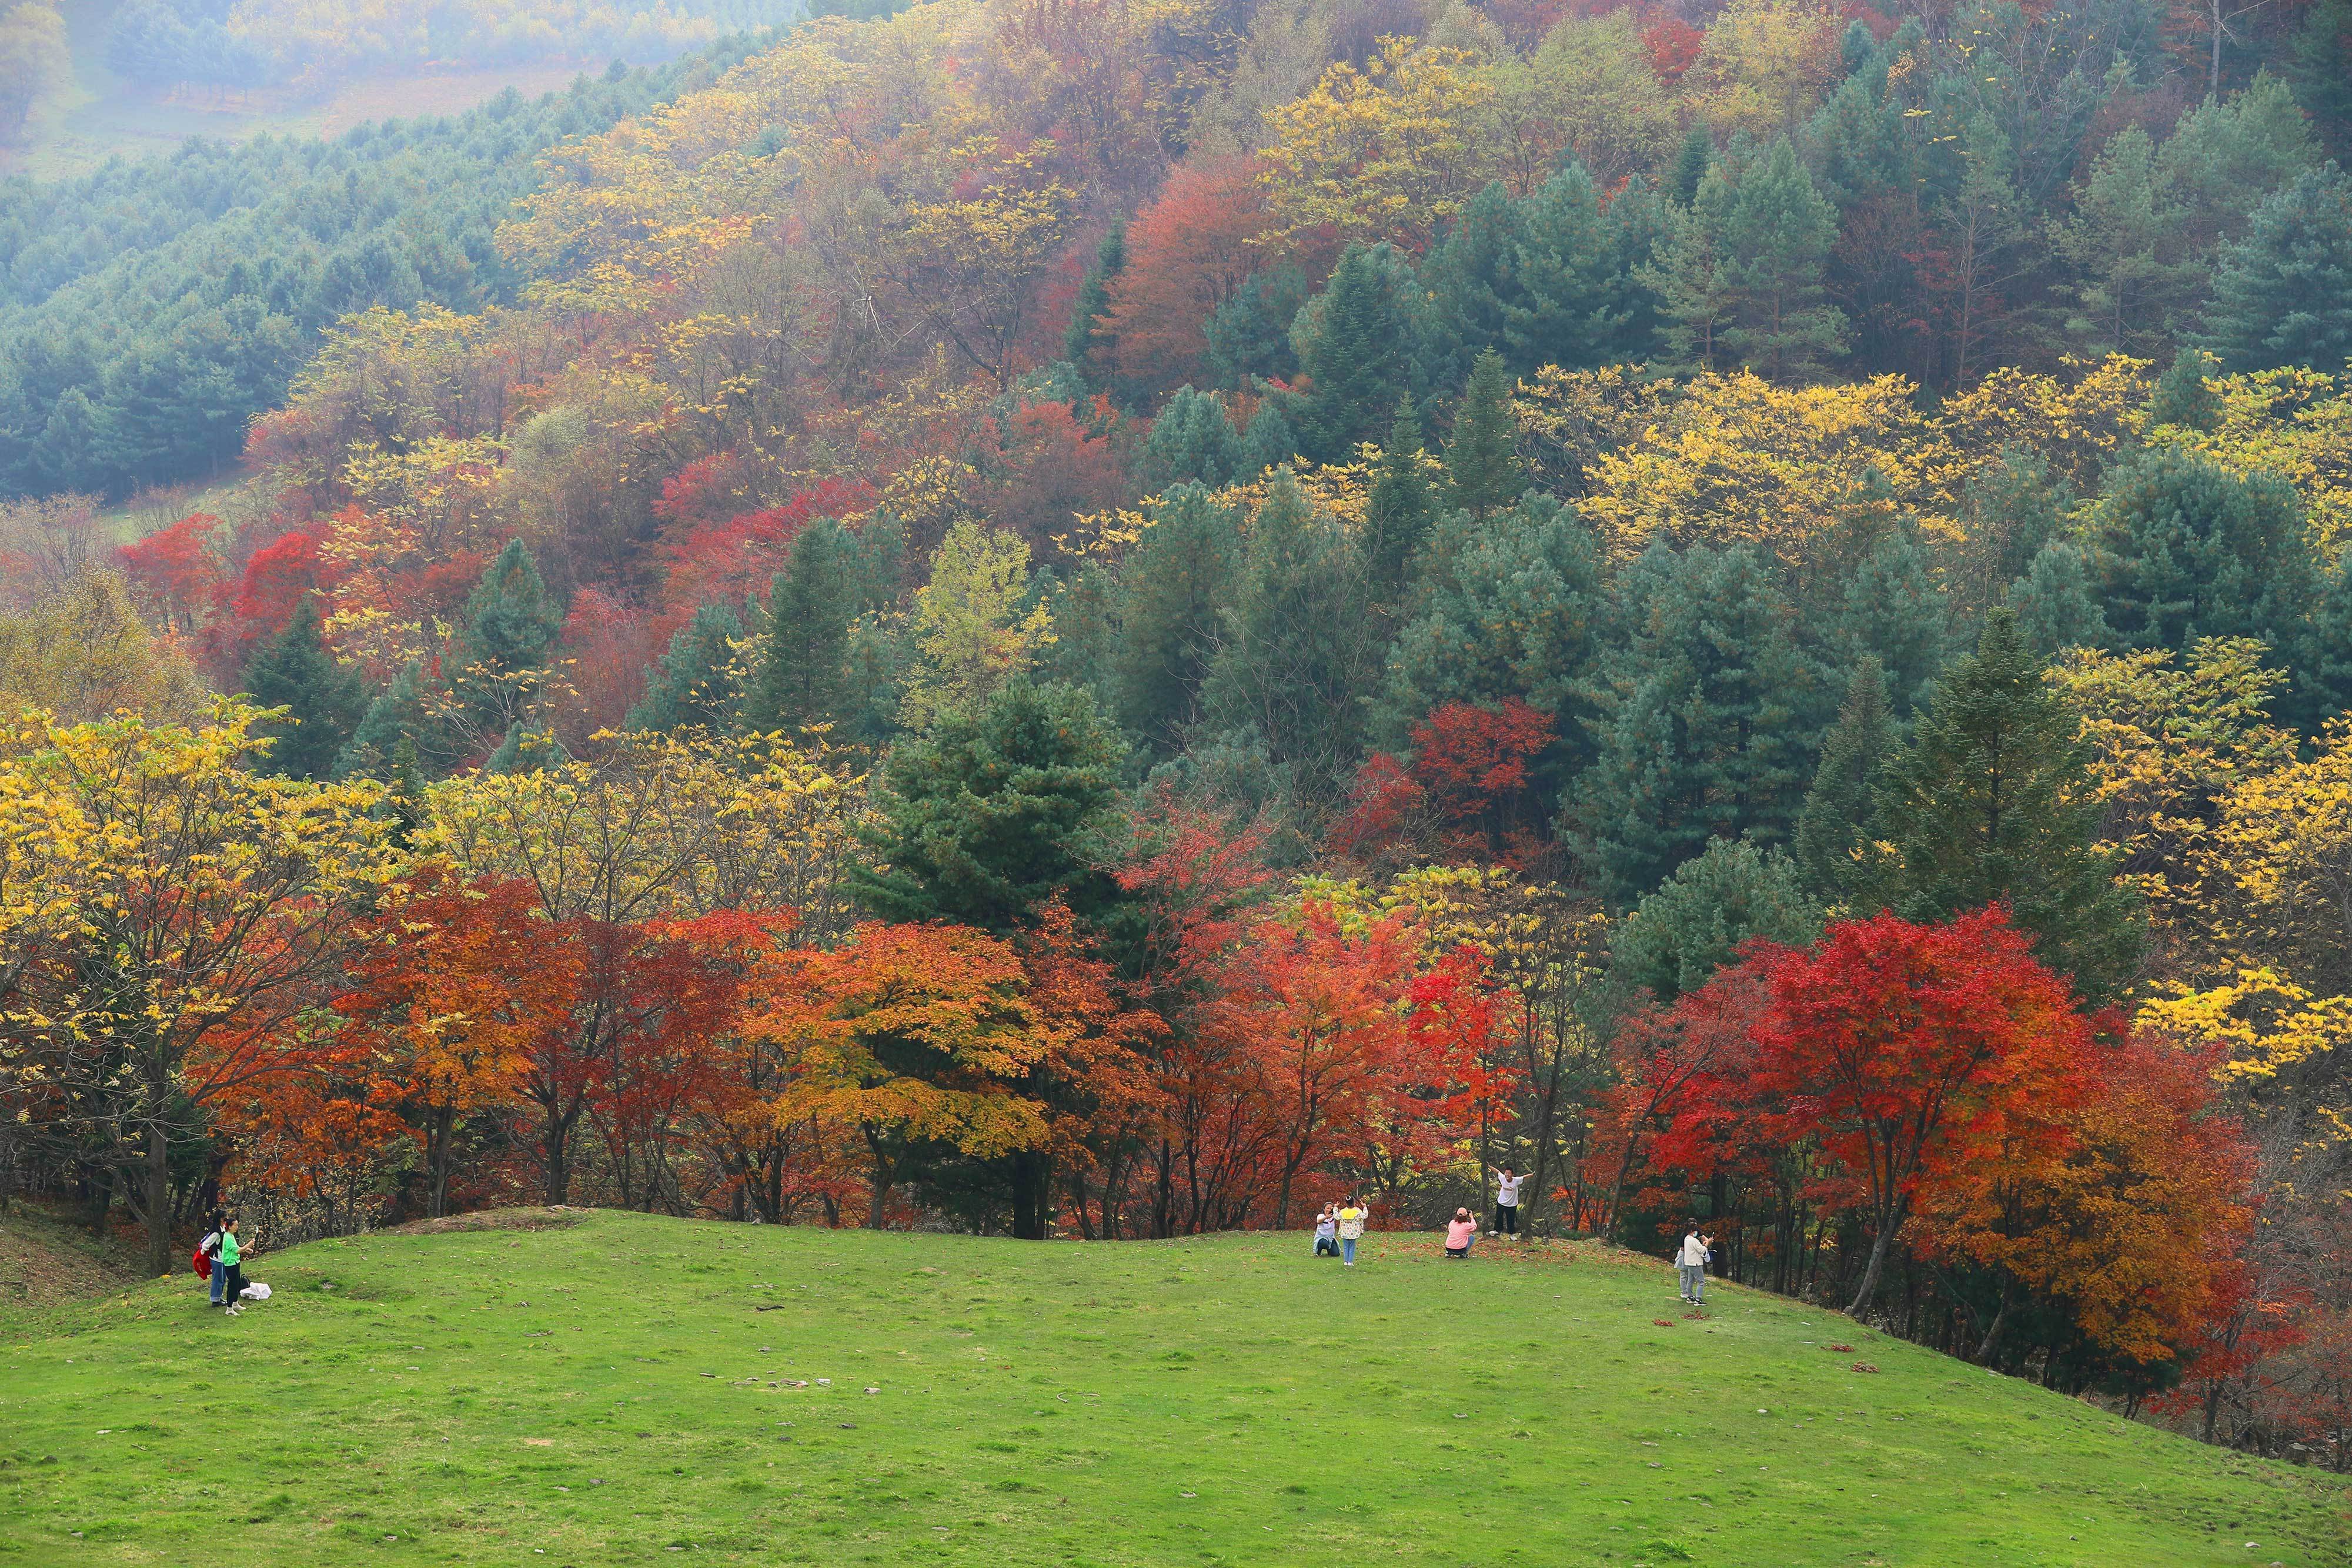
44 1264
493 1219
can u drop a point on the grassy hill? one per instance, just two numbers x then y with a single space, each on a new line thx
610 1391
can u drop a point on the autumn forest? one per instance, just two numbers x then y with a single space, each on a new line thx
1113 619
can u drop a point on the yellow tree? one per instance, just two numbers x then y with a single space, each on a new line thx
970 633
171 916
1383 153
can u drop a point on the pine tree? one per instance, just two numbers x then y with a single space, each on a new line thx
2011 506
2282 295
1398 511
2194 550
1481 460
1471 280
1993 802
1174 590
696 682
1894 612
1356 343
1193 442
396 717
1090 344
1268 443
1707 726
1838 807
2183 397
1568 306
1776 231
1296 661
294 671
1522 613
802 678
1249 335
1691 165
1693 925
2056 602
508 629
996 810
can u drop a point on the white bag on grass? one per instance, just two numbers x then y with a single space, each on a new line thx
257 1292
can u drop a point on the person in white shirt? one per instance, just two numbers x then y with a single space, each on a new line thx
1327 1231
1507 1203
1691 1263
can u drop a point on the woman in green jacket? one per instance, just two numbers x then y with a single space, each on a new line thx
230 1257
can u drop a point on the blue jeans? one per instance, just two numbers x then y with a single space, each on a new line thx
220 1278
1346 1249
1694 1281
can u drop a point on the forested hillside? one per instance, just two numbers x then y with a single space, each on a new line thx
1107 620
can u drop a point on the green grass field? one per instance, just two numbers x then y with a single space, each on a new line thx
611 1392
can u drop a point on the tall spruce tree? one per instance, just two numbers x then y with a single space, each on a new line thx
1568 306
1692 162
1693 925
1249 335
1268 443
294 671
1192 443
2183 396
2056 602
803 677
1894 610
1481 460
1471 281
1296 661
1776 234
695 682
504 639
1838 807
1173 592
1090 344
1356 343
398 716
1707 724
1993 802
1399 510
2282 295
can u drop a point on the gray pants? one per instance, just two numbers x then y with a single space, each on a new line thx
1694 1281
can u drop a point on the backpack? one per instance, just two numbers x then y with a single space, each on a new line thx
203 1262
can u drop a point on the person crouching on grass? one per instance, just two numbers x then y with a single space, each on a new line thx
1327 1232
1462 1231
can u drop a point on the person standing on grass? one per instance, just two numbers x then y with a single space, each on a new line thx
229 1269
1460 1234
1690 1262
210 1248
1507 1203
1327 1232
1352 1230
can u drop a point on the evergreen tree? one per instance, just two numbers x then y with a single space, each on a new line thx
2282 295
406 801
2013 507
1193 442
1356 344
1268 443
1090 344
2183 396
295 672
1397 512
396 717
2194 550
1693 925
803 677
1521 613
1691 165
1838 807
996 810
1776 231
1569 305
1993 802
1471 282
1894 612
2323 72
509 628
1296 661
1481 460
696 682
2056 602
1706 728
1174 590
1249 334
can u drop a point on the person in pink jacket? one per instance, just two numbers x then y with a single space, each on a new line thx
1459 1233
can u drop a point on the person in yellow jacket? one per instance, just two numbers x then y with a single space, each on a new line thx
1352 1230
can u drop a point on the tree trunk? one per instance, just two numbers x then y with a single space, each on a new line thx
441 1134
1033 1174
158 1182
1983 1356
1879 1246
